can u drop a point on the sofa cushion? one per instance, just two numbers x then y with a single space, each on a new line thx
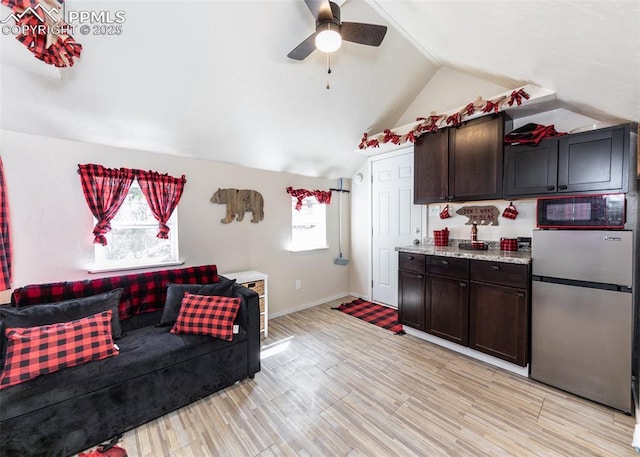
207 315
64 311
45 349
175 294
142 352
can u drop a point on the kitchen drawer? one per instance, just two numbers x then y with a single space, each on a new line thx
448 266
411 262
500 273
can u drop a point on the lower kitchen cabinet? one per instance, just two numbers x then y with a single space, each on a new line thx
447 310
411 288
479 304
447 299
498 321
499 310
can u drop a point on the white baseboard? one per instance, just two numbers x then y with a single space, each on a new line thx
516 369
307 305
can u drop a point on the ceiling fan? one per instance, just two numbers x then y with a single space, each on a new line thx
330 31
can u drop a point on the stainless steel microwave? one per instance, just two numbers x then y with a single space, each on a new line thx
603 211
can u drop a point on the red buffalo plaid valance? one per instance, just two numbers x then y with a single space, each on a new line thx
5 237
106 188
300 194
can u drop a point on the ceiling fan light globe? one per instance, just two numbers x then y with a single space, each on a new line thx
328 40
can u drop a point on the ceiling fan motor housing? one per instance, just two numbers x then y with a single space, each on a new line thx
335 19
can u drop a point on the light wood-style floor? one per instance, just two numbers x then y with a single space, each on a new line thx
342 387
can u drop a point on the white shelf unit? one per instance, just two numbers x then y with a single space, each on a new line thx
258 282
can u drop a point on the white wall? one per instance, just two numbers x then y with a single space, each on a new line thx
447 90
51 223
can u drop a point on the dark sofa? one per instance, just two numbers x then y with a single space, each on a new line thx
156 371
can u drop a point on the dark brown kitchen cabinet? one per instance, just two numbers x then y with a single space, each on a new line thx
480 304
460 164
447 300
411 289
594 161
499 296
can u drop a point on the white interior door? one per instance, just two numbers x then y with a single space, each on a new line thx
396 221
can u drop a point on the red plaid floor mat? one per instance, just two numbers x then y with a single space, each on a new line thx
379 315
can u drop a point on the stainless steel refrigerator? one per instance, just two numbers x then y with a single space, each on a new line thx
581 313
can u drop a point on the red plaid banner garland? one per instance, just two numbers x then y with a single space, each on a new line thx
207 315
45 36
35 351
435 121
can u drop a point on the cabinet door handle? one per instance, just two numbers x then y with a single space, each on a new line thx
451 198
444 199
410 257
562 187
444 262
551 188
519 294
420 276
463 284
495 267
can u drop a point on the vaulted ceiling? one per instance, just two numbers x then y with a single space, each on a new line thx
210 79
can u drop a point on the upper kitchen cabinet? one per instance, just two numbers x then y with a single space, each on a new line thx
594 161
460 164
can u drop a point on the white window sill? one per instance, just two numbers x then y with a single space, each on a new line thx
135 267
295 251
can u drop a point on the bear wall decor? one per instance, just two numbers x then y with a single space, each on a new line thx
481 215
238 202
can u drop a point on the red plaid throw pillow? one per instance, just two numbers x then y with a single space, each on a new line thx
207 315
40 350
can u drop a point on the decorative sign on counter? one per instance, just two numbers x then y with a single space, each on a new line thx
481 215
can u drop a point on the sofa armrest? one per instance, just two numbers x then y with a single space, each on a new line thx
249 318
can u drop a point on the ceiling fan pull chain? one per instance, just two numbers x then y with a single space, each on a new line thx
328 70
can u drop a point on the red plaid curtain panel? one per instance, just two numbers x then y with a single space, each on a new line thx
104 190
162 193
5 236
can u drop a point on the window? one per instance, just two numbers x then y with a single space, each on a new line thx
309 225
132 241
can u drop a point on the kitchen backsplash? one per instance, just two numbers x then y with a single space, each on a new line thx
521 226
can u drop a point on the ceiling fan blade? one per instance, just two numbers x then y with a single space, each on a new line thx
321 9
305 48
369 34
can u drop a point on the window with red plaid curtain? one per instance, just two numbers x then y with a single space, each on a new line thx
5 236
163 193
104 189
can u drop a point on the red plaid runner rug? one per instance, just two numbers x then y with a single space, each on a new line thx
379 315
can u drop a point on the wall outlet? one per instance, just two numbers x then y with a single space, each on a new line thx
434 210
298 284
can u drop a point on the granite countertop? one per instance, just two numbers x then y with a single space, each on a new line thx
492 255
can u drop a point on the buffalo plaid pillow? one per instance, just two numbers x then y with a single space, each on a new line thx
207 315
40 350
